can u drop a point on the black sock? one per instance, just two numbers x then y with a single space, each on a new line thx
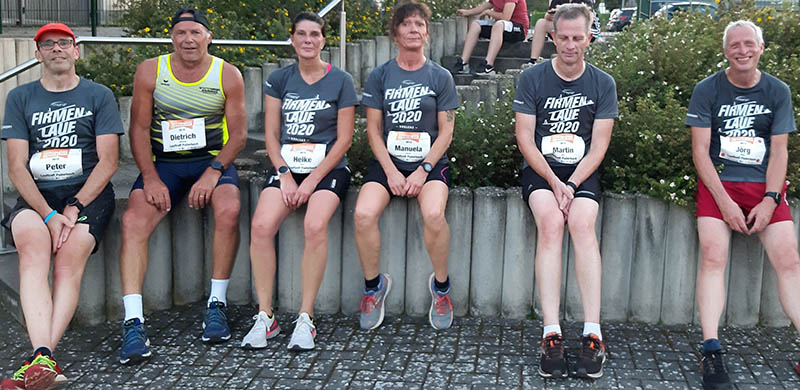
532 61
372 284
441 286
44 351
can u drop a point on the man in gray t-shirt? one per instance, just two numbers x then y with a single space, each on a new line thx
740 119
565 110
62 133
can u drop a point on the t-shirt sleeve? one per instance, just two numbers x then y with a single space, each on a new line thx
107 119
447 95
274 84
372 95
14 123
783 117
607 105
699 114
525 97
347 93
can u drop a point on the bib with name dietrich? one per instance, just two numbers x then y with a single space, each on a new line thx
565 110
61 129
411 102
742 120
188 118
309 114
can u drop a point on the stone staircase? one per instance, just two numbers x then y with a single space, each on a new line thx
511 56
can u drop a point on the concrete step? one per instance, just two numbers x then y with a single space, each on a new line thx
516 49
501 64
9 284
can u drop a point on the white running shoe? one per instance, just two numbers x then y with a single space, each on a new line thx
304 334
264 329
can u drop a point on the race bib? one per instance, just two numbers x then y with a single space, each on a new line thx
303 158
408 146
56 164
743 150
564 148
183 134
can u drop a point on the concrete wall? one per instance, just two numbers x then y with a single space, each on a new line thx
649 251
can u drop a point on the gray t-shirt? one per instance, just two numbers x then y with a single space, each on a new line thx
565 110
742 121
60 128
411 102
309 113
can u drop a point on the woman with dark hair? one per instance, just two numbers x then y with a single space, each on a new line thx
308 121
410 103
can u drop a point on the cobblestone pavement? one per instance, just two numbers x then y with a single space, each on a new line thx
404 353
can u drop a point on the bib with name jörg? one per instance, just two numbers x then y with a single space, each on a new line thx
183 134
56 164
744 150
408 146
563 148
304 157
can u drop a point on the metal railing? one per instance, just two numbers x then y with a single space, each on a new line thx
150 41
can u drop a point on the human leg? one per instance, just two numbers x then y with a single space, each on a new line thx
780 243
540 30
321 206
372 200
495 41
470 41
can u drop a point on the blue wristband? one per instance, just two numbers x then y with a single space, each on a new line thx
47 218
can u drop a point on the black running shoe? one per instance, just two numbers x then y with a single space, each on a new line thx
553 363
487 70
460 68
592 357
715 375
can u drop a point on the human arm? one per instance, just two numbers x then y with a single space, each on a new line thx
233 86
761 214
707 173
345 122
525 125
23 181
272 137
156 192
474 11
446 123
601 137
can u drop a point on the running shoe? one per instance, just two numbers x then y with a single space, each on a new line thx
135 344
487 70
460 67
441 313
39 373
553 363
304 334
263 329
372 308
592 357
797 368
715 375
215 323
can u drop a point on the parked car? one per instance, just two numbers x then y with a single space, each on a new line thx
668 10
619 20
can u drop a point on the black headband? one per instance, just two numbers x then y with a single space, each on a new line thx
196 17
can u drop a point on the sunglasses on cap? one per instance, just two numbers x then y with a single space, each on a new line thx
64 43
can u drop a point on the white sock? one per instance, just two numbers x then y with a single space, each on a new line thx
592 328
551 329
133 306
219 289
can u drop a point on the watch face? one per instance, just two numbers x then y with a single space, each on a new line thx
283 169
217 165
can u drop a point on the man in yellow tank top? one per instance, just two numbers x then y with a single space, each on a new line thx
187 126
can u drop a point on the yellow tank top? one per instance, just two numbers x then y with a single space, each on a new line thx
174 101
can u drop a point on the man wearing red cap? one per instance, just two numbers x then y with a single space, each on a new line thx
187 126
62 133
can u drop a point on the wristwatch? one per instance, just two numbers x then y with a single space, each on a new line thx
73 201
283 170
427 167
776 196
216 165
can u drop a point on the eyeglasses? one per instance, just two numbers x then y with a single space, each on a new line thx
49 44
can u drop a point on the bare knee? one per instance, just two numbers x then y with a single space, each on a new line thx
264 229
787 261
713 257
434 218
316 231
550 234
365 219
136 224
226 214
582 230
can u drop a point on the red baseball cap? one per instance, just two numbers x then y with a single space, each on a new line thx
53 27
